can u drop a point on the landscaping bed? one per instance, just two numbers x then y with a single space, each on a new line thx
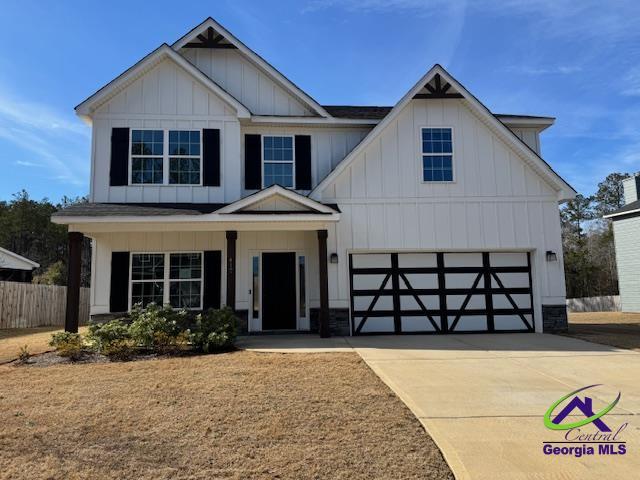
237 415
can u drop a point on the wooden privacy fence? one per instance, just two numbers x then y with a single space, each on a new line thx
24 305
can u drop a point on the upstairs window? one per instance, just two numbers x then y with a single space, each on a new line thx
184 157
278 162
166 157
147 159
437 155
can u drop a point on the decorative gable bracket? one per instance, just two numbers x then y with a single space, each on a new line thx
437 90
211 39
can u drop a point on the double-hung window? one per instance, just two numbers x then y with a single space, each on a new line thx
184 157
147 278
166 157
147 159
437 155
278 164
185 280
167 278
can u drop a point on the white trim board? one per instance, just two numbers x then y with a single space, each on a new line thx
565 191
254 58
163 52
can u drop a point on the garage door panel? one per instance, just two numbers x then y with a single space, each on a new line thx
521 300
455 302
462 280
419 280
463 259
508 259
510 322
470 323
431 302
370 282
378 325
441 292
510 280
417 260
371 260
417 324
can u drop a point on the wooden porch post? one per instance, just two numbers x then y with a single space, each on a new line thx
73 282
323 317
232 235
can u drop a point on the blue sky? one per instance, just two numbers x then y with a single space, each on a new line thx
577 61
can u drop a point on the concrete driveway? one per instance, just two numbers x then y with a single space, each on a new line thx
482 399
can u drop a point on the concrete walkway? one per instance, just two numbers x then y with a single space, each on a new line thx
482 397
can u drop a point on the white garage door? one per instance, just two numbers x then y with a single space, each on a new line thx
441 292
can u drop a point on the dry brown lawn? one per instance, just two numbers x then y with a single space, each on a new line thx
240 415
36 340
610 328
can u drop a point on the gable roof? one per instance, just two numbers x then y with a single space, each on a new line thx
253 57
133 73
20 262
277 191
452 89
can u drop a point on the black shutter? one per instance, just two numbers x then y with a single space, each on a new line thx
119 297
211 157
252 162
303 162
119 172
212 279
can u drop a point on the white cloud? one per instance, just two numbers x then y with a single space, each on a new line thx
548 70
57 143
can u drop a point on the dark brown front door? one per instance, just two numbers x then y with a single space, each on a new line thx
279 291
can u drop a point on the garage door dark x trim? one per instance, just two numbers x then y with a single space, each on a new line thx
490 280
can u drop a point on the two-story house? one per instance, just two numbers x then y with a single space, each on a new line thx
217 181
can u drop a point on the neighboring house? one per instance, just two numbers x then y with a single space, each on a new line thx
626 232
15 268
217 181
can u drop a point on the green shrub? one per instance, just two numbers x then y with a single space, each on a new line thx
102 335
215 330
157 328
68 344
112 339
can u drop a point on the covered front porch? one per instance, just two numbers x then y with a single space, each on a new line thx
264 256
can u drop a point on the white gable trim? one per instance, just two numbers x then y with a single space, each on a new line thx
26 263
87 107
273 191
255 59
565 191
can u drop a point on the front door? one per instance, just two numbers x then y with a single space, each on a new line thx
279 291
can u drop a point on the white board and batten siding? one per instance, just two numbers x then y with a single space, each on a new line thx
250 85
166 97
329 146
495 203
248 244
626 233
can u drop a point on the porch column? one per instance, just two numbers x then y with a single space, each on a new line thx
73 282
323 317
232 235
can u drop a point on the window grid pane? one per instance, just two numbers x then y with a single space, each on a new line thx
147 142
185 266
278 161
185 294
147 266
184 144
146 170
437 159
